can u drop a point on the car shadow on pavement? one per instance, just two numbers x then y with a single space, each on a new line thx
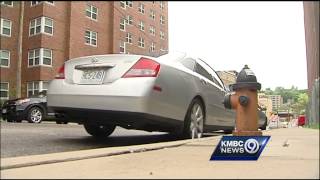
89 142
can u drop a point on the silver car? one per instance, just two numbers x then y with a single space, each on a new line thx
174 93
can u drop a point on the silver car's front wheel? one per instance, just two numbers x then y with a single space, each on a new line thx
194 120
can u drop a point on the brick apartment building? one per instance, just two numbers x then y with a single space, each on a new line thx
55 31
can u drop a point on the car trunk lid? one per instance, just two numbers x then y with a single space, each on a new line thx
100 69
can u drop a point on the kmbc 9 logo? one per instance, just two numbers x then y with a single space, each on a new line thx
240 148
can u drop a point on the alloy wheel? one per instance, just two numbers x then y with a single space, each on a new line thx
36 115
196 121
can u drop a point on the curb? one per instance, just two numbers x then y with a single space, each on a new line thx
34 160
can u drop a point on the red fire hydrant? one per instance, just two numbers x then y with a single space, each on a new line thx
244 100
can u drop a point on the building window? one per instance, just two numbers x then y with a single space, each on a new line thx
42 57
161 35
7 3
161 5
141 25
4 90
129 38
41 25
35 87
129 20
122 47
92 12
141 8
152 47
48 25
4 58
152 30
6 27
122 24
152 14
123 4
46 57
91 38
141 42
162 19
34 3
129 4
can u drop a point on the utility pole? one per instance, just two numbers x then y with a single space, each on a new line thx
20 35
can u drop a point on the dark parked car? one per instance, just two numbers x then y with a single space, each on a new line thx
33 109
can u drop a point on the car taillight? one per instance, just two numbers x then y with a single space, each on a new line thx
143 68
60 74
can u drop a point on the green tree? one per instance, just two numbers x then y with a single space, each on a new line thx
300 105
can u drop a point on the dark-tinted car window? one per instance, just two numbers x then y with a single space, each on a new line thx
213 75
189 63
203 72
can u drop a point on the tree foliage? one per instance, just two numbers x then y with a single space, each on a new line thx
293 98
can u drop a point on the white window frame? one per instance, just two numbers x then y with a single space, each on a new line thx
2 27
42 26
41 57
123 4
161 5
91 38
141 25
152 47
123 23
9 57
129 20
141 8
152 14
162 36
35 3
129 4
129 38
152 30
7 90
162 20
141 42
33 89
122 44
91 12
3 3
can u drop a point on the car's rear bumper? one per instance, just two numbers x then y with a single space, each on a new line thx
121 95
129 120
109 103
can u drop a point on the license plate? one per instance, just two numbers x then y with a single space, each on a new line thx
92 76
4 111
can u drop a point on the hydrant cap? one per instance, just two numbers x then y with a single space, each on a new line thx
246 79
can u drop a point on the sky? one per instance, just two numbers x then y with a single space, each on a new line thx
267 36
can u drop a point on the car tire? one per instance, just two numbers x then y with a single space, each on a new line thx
194 120
264 127
35 115
99 131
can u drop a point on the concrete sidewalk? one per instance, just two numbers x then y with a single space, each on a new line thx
299 158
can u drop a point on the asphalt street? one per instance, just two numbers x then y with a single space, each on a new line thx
21 139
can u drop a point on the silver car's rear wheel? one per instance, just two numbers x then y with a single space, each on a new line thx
194 121
99 131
